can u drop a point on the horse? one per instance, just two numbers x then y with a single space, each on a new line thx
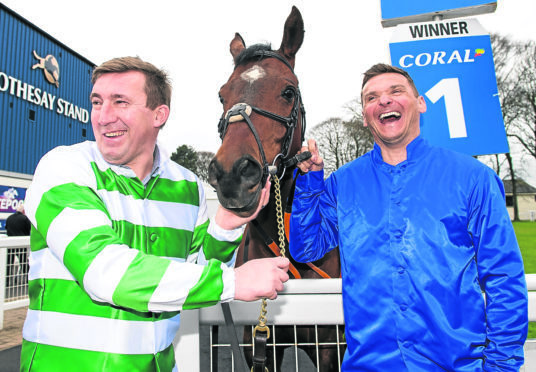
262 129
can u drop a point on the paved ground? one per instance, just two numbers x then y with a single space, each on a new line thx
11 335
11 338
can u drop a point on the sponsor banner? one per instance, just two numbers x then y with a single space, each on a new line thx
451 63
10 198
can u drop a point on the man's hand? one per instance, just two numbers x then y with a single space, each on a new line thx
315 162
261 278
229 221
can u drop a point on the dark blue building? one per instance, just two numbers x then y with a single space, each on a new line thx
44 102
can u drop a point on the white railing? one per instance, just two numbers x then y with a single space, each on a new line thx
303 302
17 282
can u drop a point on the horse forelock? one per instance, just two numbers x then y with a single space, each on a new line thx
249 54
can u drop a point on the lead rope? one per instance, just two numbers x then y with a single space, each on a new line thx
261 333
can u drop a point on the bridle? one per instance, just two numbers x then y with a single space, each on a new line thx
242 112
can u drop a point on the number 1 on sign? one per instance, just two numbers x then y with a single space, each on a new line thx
450 89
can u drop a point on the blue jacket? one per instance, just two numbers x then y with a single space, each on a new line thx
419 243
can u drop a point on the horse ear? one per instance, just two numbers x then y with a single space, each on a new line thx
237 45
292 35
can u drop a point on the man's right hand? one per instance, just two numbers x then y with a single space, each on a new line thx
261 278
315 162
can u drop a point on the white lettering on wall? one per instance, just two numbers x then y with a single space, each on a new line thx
36 96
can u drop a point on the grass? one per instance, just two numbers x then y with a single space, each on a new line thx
526 237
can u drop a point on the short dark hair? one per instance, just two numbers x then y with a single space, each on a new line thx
157 83
383 68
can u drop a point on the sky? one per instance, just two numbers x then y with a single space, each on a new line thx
190 39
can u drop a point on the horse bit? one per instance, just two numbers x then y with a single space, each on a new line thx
242 112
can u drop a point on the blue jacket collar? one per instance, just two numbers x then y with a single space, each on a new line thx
416 149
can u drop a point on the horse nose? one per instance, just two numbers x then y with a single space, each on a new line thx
249 171
245 173
215 172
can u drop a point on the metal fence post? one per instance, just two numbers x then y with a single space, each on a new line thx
3 262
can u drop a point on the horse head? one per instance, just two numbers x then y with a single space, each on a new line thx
263 121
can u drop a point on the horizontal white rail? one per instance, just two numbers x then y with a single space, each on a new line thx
299 304
14 241
302 302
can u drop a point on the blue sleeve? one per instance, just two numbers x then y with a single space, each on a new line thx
313 222
501 275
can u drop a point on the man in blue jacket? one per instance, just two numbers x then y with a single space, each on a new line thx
422 232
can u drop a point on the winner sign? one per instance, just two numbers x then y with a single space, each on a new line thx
451 63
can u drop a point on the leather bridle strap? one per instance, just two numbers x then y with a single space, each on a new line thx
283 120
240 110
231 331
271 54
276 251
260 339
274 247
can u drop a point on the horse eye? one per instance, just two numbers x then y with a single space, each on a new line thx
220 98
289 93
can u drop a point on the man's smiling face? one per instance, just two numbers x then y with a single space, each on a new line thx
125 128
391 109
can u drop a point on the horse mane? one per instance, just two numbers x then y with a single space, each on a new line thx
249 53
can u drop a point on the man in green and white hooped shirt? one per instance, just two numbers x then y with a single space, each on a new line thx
121 242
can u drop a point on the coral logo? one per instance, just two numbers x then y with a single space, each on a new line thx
479 52
436 58
50 67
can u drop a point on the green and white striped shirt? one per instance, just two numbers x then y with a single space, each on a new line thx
114 260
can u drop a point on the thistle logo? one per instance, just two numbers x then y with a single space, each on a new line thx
50 67
479 52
